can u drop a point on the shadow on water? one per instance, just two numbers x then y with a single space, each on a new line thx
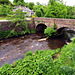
15 48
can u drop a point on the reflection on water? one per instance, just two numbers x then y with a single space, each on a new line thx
14 48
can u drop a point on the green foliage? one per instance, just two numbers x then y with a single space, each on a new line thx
15 1
42 63
32 64
4 2
38 3
29 53
19 19
54 26
50 32
4 33
70 12
5 10
33 31
73 40
26 4
18 15
18 2
20 27
40 8
36 52
38 13
31 4
51 2
56 11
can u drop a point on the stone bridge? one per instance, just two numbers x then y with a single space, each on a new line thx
60 23
41 23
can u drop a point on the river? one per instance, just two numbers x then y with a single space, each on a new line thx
15 48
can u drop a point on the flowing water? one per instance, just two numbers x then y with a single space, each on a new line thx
15 48
68 35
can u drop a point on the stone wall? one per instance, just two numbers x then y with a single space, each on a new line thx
7 25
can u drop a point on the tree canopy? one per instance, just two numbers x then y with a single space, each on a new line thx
15 1
51 2
31 4
19 2
5 2
57 10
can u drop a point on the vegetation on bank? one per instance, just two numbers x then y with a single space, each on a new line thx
12 33
20 25
50 32
48 62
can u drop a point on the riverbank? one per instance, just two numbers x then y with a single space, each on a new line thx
20 45
43 62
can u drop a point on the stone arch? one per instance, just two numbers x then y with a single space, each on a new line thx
40 27
61 29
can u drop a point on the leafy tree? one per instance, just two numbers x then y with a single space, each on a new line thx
36 7
56 11
19 18
31 4
15 1
5 2
18 2
25 4
41 8
19 14
5 10
38 13
73 12
70 12
38 3
51 2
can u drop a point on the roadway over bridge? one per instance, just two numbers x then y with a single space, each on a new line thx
60 23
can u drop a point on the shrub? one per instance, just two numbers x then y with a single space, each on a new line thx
38 13
73 40
29 53
50 32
